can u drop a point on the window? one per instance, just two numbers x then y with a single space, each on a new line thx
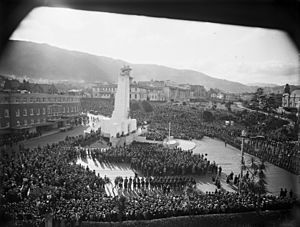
7 124
67 109
49 111
25 122
31 99
18 124
32 121
18 113
44 99
64 109
24 99
38 121
44 120
24 112
31 111
44 110
18 99
6 113
38 111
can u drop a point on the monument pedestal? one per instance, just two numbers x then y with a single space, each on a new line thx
123 140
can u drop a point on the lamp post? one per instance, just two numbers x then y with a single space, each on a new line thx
298 136
169 131
244 134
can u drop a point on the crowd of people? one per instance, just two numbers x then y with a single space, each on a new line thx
84 140
282 154
155 159
46 181
188 123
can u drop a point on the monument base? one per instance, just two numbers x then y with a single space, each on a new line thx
123 140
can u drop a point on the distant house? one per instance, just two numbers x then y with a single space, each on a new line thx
11 84
246 96
44 88
230 97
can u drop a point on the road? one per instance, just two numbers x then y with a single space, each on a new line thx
230 158
53 138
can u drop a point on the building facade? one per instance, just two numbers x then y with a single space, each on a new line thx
104 90
36 111
291 100
138 92
158 91
198 92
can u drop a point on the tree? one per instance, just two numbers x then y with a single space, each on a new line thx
228 105
257 97
273 101
147 106
287 89
134 106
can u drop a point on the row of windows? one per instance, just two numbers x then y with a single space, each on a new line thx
103 95
31 122
105 89
31 113
7 125
44 99
40 111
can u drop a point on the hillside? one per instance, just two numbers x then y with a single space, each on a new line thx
45 62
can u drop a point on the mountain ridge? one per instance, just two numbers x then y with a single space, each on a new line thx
43 61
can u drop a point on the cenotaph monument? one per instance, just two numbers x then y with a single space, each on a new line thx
120 123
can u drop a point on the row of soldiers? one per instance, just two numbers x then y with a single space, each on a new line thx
174 182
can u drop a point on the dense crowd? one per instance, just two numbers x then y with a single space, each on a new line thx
157 160
84 140
33 181
43 181
46 180
188 123
282 154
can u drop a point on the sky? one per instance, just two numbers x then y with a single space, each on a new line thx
242 54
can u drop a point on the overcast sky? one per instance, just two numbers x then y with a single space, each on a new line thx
243 54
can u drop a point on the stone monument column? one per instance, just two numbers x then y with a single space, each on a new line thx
122 100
